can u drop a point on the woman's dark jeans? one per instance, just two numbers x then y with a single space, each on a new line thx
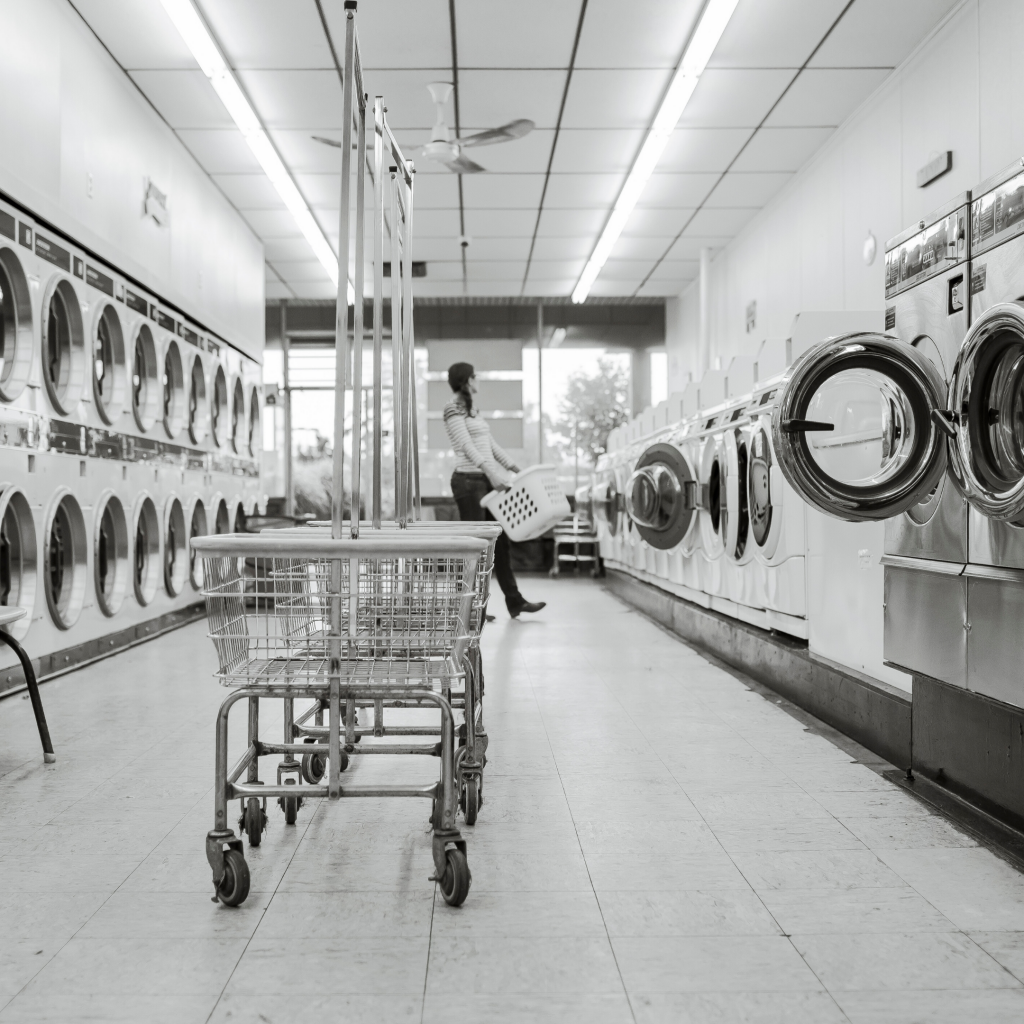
467 490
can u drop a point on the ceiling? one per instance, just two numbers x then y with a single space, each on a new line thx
590 73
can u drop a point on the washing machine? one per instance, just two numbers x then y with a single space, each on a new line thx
927 273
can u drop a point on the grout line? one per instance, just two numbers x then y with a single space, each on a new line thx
430 946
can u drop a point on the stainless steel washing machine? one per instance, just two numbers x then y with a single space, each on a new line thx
927 273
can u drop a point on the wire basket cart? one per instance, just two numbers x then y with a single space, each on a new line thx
471 755
385 618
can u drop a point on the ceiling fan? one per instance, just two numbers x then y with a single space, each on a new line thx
443 149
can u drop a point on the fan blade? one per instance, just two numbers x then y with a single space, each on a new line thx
506 133
462 165
326 142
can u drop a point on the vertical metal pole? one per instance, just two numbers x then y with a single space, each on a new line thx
289 486
378 296
704 339
341 318
357 323
540 382
397 363
407 323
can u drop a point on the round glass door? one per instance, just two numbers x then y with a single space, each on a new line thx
661 496
987 396
604 497
859 429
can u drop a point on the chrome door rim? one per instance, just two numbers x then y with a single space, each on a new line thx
1003 504
925 390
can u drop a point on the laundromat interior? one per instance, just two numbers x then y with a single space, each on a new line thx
639 386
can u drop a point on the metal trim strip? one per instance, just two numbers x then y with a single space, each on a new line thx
929 565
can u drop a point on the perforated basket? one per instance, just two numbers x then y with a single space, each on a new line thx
533 504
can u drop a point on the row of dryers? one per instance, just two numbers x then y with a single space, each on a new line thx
914 427
125 428
691 496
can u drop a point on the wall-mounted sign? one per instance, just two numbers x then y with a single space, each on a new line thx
155 203
751 316
935 168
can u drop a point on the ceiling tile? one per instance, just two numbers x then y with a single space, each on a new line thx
294 99
442 270
556 270
656 223
512 287
289 250
249 191
702 149
272 223
746 189
303 155
492 98
525 155
625 270
629 247
611 286
220 150
577 223
593 151
570 247
857 42
675 270
775 33
497 223
433 192
491 248
267 33
677 191
314 290
139 35
689 246
649 34
614 99
276 289
502 191
184 99
580 191
437 224
496 270
407 98
734 98
826 97
509 35
718 222
398 34
781 149
663 289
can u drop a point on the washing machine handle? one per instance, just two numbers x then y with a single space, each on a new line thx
805 426
946 420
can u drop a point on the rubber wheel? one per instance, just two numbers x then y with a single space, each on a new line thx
253 821
457 879
291 805
313 768
470 801
234 886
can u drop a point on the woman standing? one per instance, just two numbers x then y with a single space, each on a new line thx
482 467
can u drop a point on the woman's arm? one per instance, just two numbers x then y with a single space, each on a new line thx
502 457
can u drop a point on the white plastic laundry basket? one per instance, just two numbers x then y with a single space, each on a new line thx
532 505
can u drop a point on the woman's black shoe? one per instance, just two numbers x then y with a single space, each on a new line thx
528 606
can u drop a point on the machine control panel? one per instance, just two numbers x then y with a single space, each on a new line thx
998 215
935 248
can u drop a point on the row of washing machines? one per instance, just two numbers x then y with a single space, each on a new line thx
860 484
125 429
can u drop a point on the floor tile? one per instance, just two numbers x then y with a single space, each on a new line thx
998 1006
737 1008
706 912
851 911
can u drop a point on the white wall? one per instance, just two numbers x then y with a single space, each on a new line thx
962 90
68 111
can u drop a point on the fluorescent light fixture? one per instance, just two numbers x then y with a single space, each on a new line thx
684 80
207 53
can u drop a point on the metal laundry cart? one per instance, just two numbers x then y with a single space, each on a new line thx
385 617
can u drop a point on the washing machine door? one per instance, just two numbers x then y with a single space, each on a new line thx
860 427
987 399
713 508
661 496
606 501
736 532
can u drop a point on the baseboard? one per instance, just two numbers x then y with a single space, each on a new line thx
875 714
49 666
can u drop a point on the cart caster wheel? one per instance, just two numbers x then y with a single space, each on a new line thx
313 768
234 886
457 879
344 761
470 801
461 734
255 821
290 805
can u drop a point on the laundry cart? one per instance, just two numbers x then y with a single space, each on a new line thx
471 754
382 618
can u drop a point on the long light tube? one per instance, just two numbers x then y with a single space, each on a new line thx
684 80
208 56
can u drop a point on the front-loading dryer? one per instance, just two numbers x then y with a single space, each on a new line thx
661 496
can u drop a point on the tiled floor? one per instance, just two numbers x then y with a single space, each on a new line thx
659 843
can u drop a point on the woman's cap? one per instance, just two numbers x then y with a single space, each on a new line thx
459 374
